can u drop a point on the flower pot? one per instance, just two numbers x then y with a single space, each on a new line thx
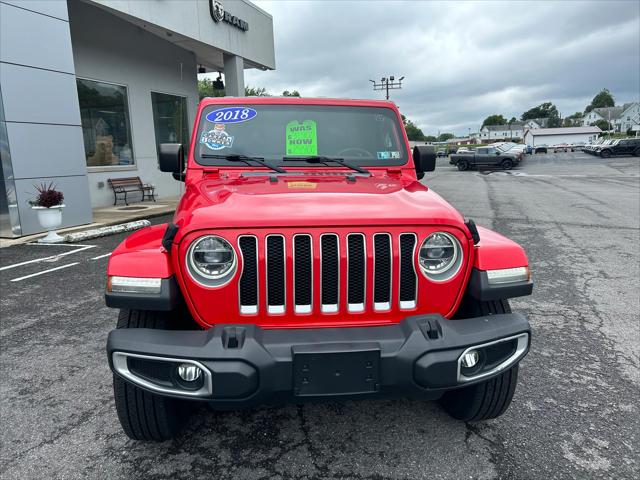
50 219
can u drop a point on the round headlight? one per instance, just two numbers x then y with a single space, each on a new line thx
212 257
439 253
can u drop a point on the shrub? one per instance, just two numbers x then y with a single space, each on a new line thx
47 196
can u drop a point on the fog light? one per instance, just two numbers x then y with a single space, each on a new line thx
189 372
470 359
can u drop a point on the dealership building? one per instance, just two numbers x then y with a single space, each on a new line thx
89 88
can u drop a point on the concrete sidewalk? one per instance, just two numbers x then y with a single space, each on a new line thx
112 215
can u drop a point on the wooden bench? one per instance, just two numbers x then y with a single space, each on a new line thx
123 186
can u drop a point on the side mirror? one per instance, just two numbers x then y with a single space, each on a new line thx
497 153
424 159
171 157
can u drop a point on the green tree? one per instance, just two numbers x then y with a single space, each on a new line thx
512 120
602 124
494 120
544 110
443 137
210 88
413 131
601 100
293 93
207 88
574 120
430 138
256 92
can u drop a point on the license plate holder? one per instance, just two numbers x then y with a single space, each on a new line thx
338 369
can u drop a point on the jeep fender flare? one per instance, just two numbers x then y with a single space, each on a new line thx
496 252
142 255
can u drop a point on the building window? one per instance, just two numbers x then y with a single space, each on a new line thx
170 119
105 123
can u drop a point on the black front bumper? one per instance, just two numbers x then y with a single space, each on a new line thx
245 364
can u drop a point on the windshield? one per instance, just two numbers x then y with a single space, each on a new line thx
367 136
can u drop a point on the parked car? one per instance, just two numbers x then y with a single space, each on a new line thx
592 148
528 149
514 148
561 147
258 293
578 146
595 148
625 146
442 153
540 149
484 157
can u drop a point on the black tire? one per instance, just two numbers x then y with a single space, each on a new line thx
488 399
605 153
144 415
482 401
636 152
463 165
507 164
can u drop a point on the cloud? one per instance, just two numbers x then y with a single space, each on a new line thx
461 61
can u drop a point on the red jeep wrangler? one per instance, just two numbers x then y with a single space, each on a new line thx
305 262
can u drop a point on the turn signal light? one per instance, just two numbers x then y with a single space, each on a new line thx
508 275
117 284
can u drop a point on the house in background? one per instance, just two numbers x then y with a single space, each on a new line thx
621 117
513 131
630 118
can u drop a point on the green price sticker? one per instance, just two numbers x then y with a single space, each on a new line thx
302 138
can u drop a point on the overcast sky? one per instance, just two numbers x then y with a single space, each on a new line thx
462 60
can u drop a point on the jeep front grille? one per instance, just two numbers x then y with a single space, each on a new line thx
288 269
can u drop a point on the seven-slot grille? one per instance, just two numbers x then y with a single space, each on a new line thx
325 251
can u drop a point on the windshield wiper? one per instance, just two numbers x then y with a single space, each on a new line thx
325 160
246 159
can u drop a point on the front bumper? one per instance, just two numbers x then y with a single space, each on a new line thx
247 365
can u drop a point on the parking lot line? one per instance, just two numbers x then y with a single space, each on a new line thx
44 259
101 256
45 271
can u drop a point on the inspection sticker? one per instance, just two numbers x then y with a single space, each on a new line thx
217 139
302 138
387 155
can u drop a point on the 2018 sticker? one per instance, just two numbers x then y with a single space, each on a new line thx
231 115
217 139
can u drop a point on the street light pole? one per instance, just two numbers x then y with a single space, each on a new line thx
387 84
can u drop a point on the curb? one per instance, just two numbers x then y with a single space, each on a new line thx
104 231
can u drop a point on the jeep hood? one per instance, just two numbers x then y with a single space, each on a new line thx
316 200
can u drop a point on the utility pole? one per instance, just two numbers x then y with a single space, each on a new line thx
387 84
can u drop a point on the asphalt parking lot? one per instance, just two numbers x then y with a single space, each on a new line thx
575 413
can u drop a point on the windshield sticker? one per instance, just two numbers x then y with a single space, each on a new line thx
387 155
217 139
302 138
231 115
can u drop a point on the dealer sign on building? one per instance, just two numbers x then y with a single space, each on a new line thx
219 15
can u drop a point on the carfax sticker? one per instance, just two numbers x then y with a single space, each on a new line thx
217 139
231 115
302 138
